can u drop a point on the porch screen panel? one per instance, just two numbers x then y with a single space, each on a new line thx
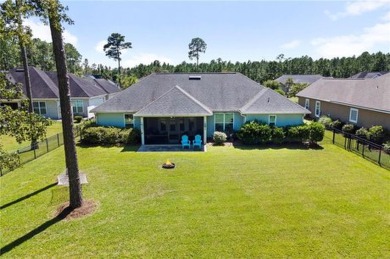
229 122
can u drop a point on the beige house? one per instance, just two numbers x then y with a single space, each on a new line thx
364 102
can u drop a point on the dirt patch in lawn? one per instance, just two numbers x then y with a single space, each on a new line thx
65 212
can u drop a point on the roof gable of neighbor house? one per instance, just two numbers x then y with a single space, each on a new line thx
41 84
367 75
44 85
268 101
308 79
219 92
371 94
177 103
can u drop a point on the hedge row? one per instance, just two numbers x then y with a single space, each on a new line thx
94 135
253 133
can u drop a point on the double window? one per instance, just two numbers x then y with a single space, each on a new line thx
40 108
77 106
317 111
223 121
353 115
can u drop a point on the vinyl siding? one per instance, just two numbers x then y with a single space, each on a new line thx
110 119
281 119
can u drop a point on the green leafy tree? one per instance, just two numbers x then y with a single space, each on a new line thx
73 59
116 43
272 84
196 46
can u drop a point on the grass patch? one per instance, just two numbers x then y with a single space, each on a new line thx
227 202
9 143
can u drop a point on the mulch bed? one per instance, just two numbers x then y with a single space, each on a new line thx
88 208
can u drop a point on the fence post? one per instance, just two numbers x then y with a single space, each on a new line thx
35 153
363 150
379 158
334 133
47 145
345 142
58 139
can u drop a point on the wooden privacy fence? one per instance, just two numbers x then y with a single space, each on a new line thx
27 154
367 149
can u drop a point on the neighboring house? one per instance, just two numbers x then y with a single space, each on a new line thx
297 79
166 106
364 102
367 75
86 93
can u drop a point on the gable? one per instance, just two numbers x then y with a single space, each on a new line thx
175 102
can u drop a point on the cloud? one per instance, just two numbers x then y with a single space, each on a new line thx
42 31
144 58
349 45
291 45
357 8
100 45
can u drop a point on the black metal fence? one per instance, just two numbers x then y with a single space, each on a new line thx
367 149
27 154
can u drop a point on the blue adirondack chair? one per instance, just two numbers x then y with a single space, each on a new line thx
185 142
197 141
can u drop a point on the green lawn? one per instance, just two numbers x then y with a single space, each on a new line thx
9 143
226 203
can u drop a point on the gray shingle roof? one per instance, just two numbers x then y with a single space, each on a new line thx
45 84
308 79
268 101
175 102
368 75
373 94
219 92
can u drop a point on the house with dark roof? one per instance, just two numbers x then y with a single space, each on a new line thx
364 102
368 75
86 93
297 79
165 106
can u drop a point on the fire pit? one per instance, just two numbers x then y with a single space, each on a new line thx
168 165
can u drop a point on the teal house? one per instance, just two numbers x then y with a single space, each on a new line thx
165 106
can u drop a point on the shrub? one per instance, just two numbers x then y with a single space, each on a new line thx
78 118
326 121
376 134
337 124
280 91
362 133
317 132
219 138
265 133
278 135
386 147
249 133
298 133
134 137
348 128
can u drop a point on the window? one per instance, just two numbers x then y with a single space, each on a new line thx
317 111
39 108
272 120
307 104
223 121
129 121
78 106
353 115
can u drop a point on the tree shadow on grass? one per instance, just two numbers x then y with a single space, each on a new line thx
130 148
7 248
27 196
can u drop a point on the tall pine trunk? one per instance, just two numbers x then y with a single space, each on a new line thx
75 193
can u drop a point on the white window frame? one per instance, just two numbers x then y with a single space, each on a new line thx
350 115
40 107
224 120
131 125
307 104
269 119
318 105
76 106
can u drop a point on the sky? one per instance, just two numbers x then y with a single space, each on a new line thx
233 30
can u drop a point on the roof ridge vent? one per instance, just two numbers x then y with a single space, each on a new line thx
195 77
